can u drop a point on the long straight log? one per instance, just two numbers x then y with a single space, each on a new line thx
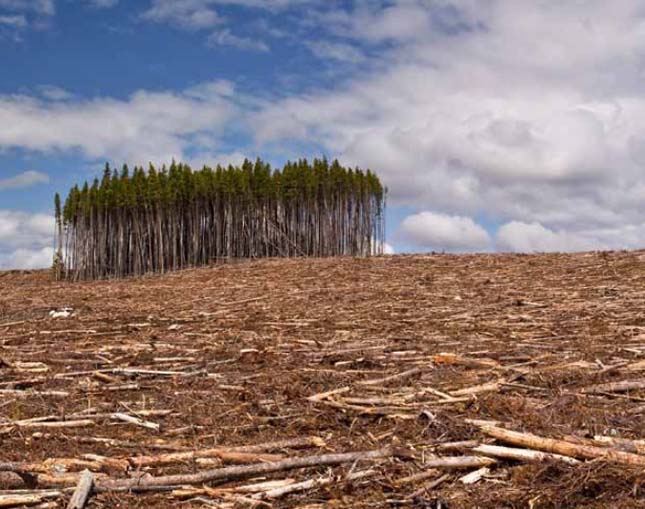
624 386
497 451
30 498
562 447
459 462
239 454
147 483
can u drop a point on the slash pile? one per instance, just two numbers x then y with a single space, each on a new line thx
488 381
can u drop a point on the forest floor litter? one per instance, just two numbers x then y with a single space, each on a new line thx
434 381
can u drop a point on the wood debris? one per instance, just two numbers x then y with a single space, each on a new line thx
329 383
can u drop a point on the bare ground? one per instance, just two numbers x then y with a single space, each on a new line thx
232 355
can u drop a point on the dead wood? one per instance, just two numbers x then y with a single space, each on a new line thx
241 472
562 447
82 492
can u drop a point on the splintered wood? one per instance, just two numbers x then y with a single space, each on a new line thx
433 381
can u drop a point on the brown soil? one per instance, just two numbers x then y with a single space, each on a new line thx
246 344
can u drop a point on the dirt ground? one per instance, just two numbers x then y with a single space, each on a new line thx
403 355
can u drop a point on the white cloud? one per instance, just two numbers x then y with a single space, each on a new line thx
533 237
15 20
24 179
25 240
54 93
517 110
189 14
102 4
148 126
442 232
336 51
388 249
20 230
27 259
43 7
226 38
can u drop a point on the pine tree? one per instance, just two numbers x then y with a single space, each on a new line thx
137 222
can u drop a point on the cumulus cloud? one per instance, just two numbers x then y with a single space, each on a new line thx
336 51
189 14
102 4
455 117
44 7
24 179
533 237
25 240
227 38
16 21
24 230
442 232
27 259
148 126
522 237
200 14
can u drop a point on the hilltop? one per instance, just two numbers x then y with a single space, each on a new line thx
404 356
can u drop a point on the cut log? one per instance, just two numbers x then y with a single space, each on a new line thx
527 455
562 447
624 386
479 389
27 498
459 462
623 444
82 492
457 446
79 423
421 476
241 454
136 421
475 476
147 483
234 457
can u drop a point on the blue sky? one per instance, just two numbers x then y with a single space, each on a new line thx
506 125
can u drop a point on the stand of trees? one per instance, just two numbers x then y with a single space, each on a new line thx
137 222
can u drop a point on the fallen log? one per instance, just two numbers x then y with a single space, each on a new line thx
459 462
61 465
528 455
421 476
623 444
475 476
562 447
241 454
79 423
27 498
82 492
624 386
242 458
168 482
136 421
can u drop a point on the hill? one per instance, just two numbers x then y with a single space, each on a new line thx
415 361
